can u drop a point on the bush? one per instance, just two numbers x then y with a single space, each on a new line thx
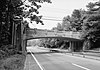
8 50
2 54
15 62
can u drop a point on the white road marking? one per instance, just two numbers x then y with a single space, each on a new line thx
80 66
41 67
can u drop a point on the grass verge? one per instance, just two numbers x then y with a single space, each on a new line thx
14 62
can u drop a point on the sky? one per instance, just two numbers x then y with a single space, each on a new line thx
57 10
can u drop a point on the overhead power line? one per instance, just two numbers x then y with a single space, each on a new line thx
58 9
51 19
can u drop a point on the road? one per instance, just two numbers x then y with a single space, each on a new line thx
60 61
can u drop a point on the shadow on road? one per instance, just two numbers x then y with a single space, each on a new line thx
43 52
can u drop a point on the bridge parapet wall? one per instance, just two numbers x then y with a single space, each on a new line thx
49 33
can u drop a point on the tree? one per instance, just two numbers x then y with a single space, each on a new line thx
91 26
13 14
59 27
73 22
54 28
76 19
76 14
66 24
16 10
30 12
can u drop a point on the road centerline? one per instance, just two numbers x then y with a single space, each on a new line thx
80 66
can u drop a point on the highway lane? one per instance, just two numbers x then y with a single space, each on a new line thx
60 61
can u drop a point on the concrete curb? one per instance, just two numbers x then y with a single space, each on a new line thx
79 54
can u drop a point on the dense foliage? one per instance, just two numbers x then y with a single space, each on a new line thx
16 11
13 16
85 21
53 43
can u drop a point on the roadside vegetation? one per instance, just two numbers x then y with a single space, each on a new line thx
85 21
13 15
14 62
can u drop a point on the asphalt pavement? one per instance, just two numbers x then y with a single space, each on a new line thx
43 59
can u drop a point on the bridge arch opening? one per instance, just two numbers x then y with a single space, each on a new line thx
61 43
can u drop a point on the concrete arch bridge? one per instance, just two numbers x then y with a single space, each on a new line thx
74 38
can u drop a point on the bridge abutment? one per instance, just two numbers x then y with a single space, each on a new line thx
75 46
24 44
71 44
